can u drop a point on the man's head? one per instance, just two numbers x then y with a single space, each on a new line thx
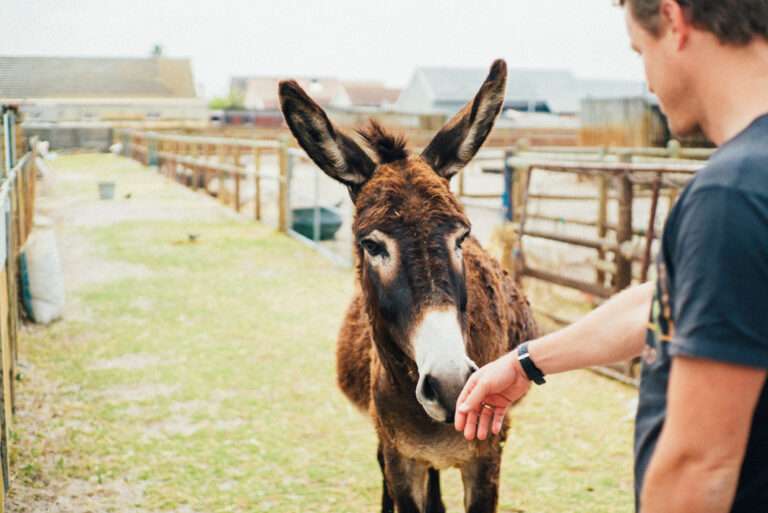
731 21
677 40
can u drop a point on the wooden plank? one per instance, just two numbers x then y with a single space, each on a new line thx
563 197
560 219
12 264
599 244
282 221
588 287
237 192
257 184
624 232
5 339
602 215
610 168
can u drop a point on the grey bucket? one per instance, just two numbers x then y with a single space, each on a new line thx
106 190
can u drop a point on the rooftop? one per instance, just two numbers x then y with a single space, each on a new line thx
95 77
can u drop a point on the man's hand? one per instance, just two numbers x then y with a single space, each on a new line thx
487 394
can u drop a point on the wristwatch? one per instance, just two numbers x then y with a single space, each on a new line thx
532 372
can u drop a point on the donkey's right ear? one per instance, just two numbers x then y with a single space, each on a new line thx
335 153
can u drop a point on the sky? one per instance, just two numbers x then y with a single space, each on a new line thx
346 39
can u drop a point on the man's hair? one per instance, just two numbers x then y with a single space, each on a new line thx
732 21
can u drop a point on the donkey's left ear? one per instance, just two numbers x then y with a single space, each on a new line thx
458 141
335 153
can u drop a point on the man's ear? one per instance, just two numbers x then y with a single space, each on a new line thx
335 153
458 141
673 18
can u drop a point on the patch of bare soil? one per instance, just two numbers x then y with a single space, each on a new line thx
40 447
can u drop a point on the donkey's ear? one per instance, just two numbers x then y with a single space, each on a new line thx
458 141
335 153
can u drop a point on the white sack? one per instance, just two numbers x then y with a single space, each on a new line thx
46 284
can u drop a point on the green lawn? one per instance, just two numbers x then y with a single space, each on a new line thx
201 375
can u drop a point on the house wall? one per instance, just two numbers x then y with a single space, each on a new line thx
415 97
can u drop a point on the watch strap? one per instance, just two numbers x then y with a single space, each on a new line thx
532 372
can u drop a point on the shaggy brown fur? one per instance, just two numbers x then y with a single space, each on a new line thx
409 269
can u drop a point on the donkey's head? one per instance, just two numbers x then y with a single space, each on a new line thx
409 230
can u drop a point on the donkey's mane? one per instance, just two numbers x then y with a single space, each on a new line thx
387 146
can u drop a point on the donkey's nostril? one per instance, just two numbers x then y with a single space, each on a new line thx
430 389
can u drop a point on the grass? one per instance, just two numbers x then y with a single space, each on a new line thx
206 378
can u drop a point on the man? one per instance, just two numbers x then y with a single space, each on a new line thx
701 436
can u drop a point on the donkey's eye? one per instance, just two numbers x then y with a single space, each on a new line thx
461 240
373 248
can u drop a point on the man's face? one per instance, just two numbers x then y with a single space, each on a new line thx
666 70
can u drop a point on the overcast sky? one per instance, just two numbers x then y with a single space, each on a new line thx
348 39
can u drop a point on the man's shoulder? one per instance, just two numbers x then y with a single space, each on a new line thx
741 164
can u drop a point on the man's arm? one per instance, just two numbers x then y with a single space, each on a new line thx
614 332
695 465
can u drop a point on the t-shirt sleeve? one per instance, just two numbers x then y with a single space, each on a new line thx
720 261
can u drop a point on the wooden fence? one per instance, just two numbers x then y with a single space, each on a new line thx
623 176
17 199
195 161
622 247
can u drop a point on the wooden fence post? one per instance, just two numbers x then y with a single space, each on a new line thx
673 149
519 183
257 182
602 212
282 220
624 228
237 177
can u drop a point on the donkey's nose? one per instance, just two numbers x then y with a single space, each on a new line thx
428 389
437 392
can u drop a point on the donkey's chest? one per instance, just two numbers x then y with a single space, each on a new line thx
420 438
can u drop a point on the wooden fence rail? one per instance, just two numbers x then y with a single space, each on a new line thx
195 161
17 201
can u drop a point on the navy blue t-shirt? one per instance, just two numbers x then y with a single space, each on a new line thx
711 298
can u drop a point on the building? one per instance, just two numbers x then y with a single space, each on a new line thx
82 89
77 101
364 96
436 89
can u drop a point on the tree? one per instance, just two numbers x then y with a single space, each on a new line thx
235 101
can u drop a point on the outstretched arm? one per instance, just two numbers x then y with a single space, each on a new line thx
614 332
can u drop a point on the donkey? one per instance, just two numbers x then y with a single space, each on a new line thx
430 304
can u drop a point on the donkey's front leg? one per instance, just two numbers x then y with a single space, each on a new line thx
481 484
407 481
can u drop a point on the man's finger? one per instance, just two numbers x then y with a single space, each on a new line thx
469 427
475 398
486 413
498 419
468 387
